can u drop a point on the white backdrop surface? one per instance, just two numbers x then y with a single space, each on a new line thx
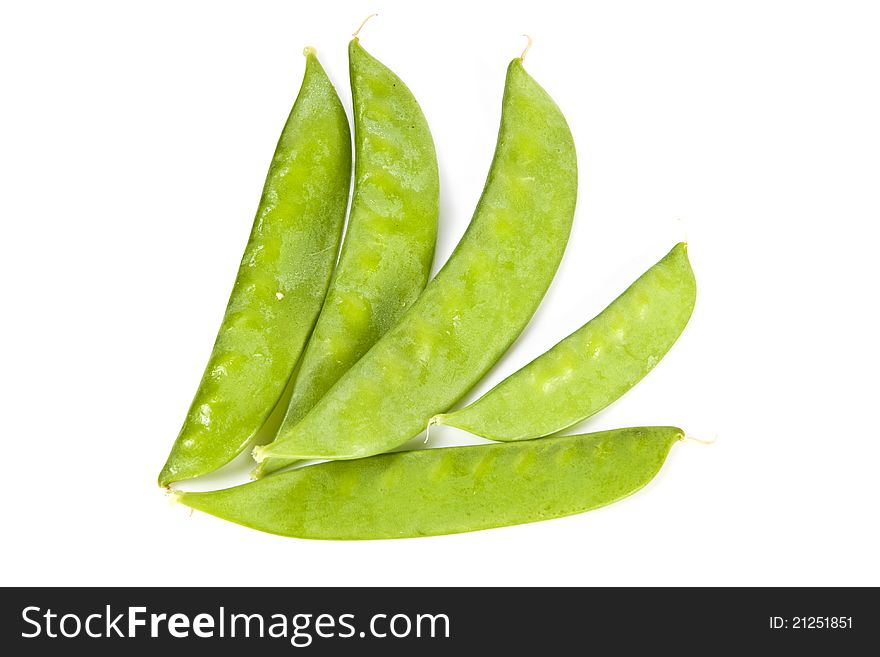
134 139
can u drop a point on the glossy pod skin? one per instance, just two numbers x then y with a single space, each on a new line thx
593 366
389 243
446 491
474 308
281 283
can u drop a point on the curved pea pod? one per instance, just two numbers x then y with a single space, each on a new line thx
474 308
593 366
280 286
389 243
446 491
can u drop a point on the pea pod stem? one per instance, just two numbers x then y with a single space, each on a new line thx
361 26
690 438
525 51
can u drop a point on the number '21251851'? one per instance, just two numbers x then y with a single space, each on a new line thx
811 623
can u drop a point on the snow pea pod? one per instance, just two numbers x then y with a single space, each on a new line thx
389 243
280 286
446 491
593 366
474 308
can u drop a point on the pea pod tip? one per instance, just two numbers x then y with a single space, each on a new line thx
310 51
165 478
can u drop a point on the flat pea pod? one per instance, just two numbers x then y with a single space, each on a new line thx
449 490
389 243
474 308
281 283
593 366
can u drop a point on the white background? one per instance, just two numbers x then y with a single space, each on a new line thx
133 145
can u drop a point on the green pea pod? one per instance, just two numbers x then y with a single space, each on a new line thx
446 491
474 308
593 366
389 243
280 286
